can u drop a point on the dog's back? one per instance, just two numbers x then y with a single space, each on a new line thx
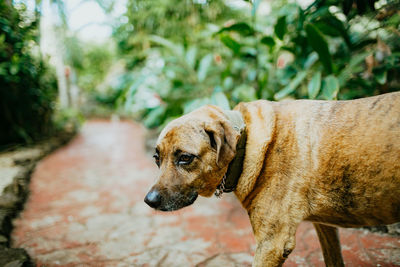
352 149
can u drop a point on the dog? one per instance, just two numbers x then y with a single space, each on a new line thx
334 163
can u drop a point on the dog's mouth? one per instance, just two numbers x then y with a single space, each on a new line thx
172 200
178 202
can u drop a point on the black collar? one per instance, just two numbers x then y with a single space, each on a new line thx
231 177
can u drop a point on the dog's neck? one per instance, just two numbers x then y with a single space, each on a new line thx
235 167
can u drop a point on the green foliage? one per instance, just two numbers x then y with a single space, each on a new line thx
68 119
318 43
280 27
91 61
175 20
314 85
211 53
28 87
176 37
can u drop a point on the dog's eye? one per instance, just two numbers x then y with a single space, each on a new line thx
157 159
185 159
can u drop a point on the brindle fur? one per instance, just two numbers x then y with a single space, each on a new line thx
334 163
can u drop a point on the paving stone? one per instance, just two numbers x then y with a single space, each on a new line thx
86 209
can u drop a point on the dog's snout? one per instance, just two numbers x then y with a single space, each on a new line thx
153 199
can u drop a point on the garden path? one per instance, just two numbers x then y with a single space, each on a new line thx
86 209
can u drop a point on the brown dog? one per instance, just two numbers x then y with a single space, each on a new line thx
334 163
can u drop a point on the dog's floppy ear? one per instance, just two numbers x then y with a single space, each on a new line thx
223 138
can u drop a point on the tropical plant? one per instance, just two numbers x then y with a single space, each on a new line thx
318 52
323 51
28 87
177 35
90 61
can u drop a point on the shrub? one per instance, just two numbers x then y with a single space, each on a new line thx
28 87
323 51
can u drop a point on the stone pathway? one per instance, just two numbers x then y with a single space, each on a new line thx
86 209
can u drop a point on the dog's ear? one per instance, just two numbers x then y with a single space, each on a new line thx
223 138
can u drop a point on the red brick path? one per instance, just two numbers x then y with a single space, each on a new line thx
86 209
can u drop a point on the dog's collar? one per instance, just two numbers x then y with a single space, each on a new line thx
231 177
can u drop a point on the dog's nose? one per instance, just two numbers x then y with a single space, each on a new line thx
153 199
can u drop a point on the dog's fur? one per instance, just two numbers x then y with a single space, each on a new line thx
334 163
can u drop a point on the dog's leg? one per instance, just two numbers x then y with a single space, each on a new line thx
275 242
329 240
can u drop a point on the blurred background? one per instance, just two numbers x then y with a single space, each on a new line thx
112 74
62 61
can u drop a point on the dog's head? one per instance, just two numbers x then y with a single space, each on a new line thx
193 153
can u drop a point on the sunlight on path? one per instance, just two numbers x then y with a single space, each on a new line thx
86 208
